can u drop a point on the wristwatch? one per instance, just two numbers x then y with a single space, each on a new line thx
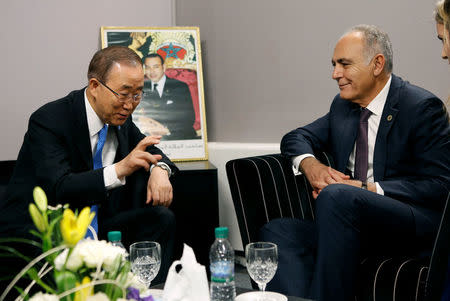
364 185
163 166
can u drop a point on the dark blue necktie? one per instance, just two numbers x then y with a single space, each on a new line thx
362 147
98 164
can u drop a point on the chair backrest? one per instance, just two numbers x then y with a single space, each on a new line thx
264 188
6 171
435 281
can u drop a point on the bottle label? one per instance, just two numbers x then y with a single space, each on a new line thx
222 271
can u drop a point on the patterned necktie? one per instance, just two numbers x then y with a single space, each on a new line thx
362 147
98 164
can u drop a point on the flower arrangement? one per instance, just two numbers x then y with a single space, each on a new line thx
74 269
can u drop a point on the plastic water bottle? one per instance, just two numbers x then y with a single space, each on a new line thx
221 258
115 237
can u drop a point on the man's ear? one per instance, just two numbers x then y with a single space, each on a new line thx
93 86
378 62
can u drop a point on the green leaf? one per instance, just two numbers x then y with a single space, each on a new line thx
55 235
65 280
35 233
33 274
20 290
116 267
123 275
15 253
22 240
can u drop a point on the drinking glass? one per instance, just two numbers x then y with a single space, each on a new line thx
262 262
145 258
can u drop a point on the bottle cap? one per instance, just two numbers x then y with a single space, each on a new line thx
114 236
221 232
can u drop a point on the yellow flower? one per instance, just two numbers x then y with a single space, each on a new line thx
40 198
74 228
38 220
83 293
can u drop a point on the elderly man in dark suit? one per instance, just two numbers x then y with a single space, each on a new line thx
167 100
390 143
129 187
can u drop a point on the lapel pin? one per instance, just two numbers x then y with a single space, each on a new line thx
389 118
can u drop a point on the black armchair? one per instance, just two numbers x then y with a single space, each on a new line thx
264 188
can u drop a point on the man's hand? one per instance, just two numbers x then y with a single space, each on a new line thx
138 158
320 175
159 188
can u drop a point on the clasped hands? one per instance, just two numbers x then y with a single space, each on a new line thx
159 188
320 176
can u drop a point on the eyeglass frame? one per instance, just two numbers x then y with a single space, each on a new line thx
121 97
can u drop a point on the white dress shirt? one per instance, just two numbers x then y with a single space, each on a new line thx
109 149
160 87
376 107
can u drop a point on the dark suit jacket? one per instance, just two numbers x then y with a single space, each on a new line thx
56 155
412 148
174 108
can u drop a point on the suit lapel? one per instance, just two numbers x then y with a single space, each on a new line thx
80 130
122 149
168 87
387 120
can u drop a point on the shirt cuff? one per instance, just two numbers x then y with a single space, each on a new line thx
296 163
166 167
111 179
379 189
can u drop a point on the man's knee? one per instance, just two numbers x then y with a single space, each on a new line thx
337 198
166 219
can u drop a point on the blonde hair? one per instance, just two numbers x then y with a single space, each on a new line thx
443 12
438 12
447 10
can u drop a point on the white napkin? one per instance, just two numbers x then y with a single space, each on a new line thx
190 283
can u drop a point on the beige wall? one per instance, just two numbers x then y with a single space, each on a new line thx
46 46
267 64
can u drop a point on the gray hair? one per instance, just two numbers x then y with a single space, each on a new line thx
376 41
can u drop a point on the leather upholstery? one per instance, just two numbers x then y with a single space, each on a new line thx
264 188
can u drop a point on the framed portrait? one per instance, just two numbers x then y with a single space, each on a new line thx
173 103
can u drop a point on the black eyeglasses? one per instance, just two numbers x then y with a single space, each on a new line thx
124 97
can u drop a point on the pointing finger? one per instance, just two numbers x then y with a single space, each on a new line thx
147 141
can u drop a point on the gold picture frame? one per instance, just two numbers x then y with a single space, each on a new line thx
166 107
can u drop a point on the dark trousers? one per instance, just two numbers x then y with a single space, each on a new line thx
145 224
319 259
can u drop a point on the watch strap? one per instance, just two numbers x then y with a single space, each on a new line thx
163 166
364 185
